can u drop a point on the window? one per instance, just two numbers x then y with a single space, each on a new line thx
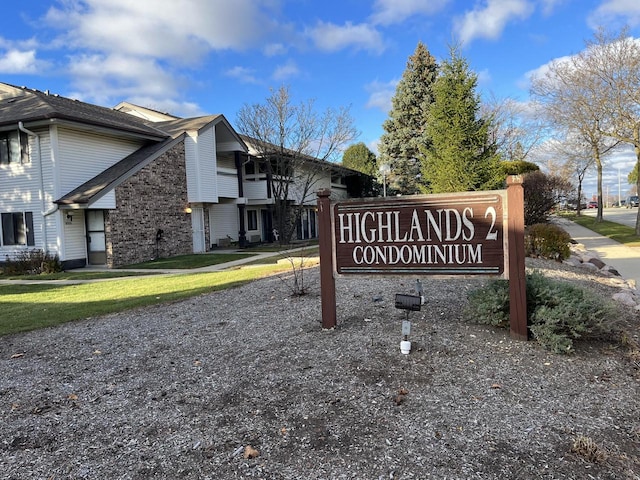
250 168
252 220
13 147
307 225
17 228
337 179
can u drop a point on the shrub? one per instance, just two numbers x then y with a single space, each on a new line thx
547 241
490 305
32 262
588 449
541 194
558 313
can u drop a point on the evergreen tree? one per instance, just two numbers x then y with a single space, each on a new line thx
460 156
405 128
360 158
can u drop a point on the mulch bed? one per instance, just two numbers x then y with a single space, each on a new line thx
244 383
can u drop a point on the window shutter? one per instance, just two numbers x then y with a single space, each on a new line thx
28 218
7 229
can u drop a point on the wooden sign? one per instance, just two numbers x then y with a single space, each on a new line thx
451 234
461 233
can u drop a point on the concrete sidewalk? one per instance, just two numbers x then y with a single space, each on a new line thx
626 260
284 255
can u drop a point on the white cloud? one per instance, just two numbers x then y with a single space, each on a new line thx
178 30
285 71
173 107
548 6
625 12
16 61
243 74
541 72
490 20
330 37
274 49
484 77
380 94
100 78
389 12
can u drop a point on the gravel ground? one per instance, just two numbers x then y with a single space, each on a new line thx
245 384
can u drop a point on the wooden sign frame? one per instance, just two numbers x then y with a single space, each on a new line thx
372 231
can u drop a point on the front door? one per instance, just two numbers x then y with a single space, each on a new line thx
197 225
96 241
267 226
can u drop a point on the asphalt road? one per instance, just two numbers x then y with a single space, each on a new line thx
624 216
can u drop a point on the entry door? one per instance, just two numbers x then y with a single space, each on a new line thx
197 224
96 242
267 234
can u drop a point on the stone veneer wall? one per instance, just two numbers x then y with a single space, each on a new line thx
152 199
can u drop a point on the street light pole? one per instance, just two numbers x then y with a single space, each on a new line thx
384 170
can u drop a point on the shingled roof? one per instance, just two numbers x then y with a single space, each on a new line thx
117 173
33 105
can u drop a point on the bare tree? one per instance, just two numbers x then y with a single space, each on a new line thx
517 128
612 64
297 143
572 101
576 161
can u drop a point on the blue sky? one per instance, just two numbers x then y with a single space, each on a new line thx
194 57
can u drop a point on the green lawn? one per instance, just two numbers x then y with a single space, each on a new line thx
29 307
190 261
76 275
286 257
615 231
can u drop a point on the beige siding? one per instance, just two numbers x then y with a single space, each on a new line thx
75 242
223 221
208 168
201 167
20 191
227 184
83 155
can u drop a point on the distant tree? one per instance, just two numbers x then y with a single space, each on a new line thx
359 157
572 97
579 159
459 156
611 62
632 178
296 143
404 130
516 128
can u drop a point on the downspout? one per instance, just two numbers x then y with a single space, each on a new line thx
22 128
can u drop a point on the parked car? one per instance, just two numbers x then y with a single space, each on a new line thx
592 205
632 201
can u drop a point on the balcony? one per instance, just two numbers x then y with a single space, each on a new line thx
256 190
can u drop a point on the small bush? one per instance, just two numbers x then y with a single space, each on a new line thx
541 194
588 449
490 305
547 241
32 262
558 313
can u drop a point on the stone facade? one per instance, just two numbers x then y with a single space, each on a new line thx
150 219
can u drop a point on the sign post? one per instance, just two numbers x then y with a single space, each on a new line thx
325 244
517 282
466 233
